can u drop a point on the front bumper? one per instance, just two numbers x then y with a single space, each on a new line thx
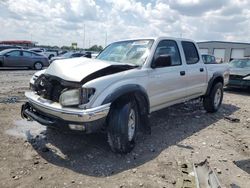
67 114
51 113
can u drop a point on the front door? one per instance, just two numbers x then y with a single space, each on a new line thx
12 59
166 83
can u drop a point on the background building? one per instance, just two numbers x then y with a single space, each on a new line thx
225 51
23 43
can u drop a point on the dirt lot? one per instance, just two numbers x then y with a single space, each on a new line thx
31 156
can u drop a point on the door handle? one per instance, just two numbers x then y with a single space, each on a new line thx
201 69
182 73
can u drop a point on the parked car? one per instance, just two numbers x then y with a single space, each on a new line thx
117 91
5 47
69 55
239 73
61 52
22 58
50 53
94 54
208 59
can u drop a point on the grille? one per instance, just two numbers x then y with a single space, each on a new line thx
235 77
49 88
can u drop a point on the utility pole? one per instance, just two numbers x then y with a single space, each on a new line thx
106 36
84 36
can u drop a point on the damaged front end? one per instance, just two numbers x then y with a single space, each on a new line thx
70 94
56 102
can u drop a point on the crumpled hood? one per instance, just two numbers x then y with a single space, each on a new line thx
77 69
240 71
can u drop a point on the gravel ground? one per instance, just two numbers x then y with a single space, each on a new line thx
32 156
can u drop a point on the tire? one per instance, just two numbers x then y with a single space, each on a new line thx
38 66
50 56
123 123
212 102
1 64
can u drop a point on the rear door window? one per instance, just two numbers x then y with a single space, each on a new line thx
190 51
36 55
27 54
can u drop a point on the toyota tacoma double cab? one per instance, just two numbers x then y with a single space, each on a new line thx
118 90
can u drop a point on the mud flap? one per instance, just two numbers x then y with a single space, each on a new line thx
145 126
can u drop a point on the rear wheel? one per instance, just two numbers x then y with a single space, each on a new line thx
50 56
213 101
38 66
123 122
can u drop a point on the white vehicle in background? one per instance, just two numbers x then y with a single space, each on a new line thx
118 90
48 53
208 59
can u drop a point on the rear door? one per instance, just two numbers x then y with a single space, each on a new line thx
196 72
167 84
12 59
26 59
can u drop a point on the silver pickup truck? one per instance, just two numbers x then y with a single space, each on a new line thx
118 90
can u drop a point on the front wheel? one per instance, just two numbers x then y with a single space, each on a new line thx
123 122
212 102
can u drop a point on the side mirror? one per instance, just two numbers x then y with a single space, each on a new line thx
6 55
162 61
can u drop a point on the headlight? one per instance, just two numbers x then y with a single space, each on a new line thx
70 97
76 96
247 78
33 79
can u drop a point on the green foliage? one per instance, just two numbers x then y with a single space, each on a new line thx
95 48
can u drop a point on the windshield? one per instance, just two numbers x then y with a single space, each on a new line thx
240 63
132 52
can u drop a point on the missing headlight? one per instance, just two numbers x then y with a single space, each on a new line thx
86 94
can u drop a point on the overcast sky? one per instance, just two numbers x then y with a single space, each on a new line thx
61 22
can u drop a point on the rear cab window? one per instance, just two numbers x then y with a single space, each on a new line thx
208 59
191 52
